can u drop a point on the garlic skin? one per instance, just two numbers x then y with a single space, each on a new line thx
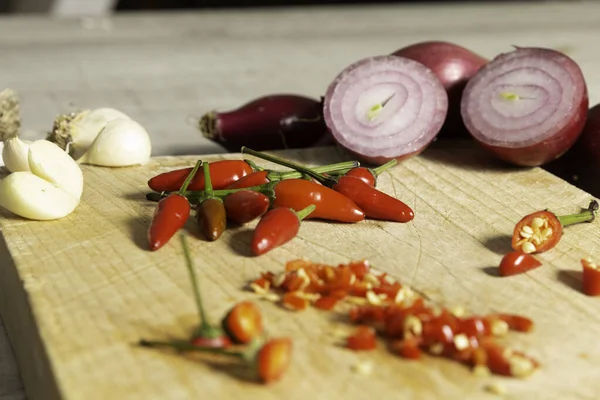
76 132
122 143
32 197
51 163
15 154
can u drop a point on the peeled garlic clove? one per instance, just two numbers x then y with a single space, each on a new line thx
50 162
78 130
122 143
32 197
15 154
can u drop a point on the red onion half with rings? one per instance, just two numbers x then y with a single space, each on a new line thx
385 107
527 106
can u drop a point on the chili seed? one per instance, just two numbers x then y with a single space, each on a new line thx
528 247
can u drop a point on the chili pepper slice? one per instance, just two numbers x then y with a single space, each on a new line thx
273 359
243 322
329 204
542 230
170 215
407 348
517 262
375 203
277 227
363 338
590 278
215 342
245 205
222 173
210 213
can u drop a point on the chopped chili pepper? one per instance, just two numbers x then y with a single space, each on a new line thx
245 205
243 322
222 173
517 322
326 303
277 227
273 359
215 342
171 214
210 213
542 230
407 348
590 278
293 301
517 262
298 194
362 339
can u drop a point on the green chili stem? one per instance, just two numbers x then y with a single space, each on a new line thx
189 178
187 346
378 170
305 212
342 166
289 164
204 325
587 215
208 188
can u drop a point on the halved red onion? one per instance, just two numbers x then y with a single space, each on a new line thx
527 106
385 107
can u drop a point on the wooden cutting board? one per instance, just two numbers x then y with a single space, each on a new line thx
77 294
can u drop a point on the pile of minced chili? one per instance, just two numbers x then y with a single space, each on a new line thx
382 307
238 191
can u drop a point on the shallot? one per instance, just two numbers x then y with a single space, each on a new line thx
527 106
454 65
385 107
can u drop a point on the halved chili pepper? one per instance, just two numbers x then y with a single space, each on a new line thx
330 205
171 214
540 231
210 212
243 322
222 173
245 205
369 175
517 262
258 178
273 359
277 227
591 277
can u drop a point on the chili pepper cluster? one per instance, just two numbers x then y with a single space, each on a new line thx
541 231
238 192
240 335
382 305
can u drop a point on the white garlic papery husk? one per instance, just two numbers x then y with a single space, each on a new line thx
122 143
10 114
15 154
75 132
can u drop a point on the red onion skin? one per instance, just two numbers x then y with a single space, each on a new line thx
550 149
454 65
378 160
271 122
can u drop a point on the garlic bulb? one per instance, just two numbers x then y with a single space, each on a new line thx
75 132
15 154
122 143
10 114
32 197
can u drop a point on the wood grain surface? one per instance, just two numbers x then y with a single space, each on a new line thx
166 69
83 290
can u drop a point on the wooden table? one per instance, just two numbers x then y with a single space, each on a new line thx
166 69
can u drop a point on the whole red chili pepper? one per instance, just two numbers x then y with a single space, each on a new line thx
222 173
210 212
245 205
277 227
171 214
330 205
368 175
375 203
540 231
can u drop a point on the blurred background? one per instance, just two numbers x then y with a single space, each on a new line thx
104 7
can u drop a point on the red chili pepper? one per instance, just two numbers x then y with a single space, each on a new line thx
245 205
368 175
591 278
256 178
273 359
517 262
223 173
362 339
375 203
408 348
540 231
277 227
171 214
210 212
330 205
243 322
